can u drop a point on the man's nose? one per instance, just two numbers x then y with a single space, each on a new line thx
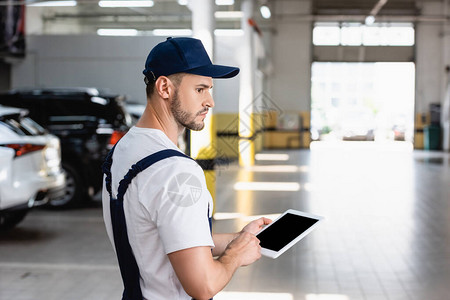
210 101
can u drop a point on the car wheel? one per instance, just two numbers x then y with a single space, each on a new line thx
11 218
73 190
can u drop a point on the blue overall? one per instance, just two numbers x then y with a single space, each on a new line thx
127 262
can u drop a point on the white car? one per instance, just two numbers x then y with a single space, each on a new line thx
30 166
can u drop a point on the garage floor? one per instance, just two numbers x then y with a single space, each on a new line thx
386 233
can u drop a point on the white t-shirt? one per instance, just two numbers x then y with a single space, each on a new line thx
166 209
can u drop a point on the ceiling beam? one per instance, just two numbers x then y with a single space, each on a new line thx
377 7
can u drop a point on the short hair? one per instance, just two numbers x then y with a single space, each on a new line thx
150 87
150 84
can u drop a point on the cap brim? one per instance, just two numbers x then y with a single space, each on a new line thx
215 71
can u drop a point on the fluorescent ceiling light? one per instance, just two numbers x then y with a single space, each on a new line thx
265 12
54 3
172 32
274 168
326 297
227 216
230 216
131 3
248 219
117 32
229 32
228 14
266 186
253 296
183 2
353 146
272 156
224 2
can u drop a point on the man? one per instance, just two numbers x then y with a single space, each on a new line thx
160 227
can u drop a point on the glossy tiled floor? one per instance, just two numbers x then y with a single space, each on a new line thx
386 233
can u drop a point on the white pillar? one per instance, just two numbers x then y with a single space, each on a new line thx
203 24
203 143
445 120
445 111
246 126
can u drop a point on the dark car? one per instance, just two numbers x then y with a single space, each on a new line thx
87 121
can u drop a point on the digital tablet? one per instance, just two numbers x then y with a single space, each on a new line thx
285 231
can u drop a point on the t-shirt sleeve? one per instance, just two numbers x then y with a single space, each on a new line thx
183 206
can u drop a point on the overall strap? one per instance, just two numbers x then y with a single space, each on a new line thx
127 262
142 165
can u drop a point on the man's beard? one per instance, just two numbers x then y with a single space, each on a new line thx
183 118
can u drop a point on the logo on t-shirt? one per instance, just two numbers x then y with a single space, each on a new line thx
184 189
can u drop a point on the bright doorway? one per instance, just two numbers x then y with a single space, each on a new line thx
362 101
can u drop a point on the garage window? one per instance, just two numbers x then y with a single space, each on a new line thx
358 34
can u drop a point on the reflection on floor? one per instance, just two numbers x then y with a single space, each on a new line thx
386 233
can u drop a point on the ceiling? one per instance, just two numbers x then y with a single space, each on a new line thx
169 14
349 7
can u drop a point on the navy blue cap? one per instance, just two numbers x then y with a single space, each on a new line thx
183 55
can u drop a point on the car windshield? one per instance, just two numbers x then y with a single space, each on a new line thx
32 126
23 126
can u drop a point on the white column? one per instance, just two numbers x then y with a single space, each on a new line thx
445 105
246 126
203 24
203 143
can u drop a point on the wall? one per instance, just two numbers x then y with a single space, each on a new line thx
432 57
291 52
114 63
445 116
430 69
226 91
288 73
290 84
35 24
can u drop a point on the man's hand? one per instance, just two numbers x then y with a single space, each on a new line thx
245 248
202 276
221 240
242 251
255 226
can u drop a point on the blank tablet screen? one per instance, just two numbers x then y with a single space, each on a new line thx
284 231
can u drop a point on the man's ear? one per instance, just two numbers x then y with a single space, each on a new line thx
163 87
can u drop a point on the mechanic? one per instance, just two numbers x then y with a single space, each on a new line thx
156 205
